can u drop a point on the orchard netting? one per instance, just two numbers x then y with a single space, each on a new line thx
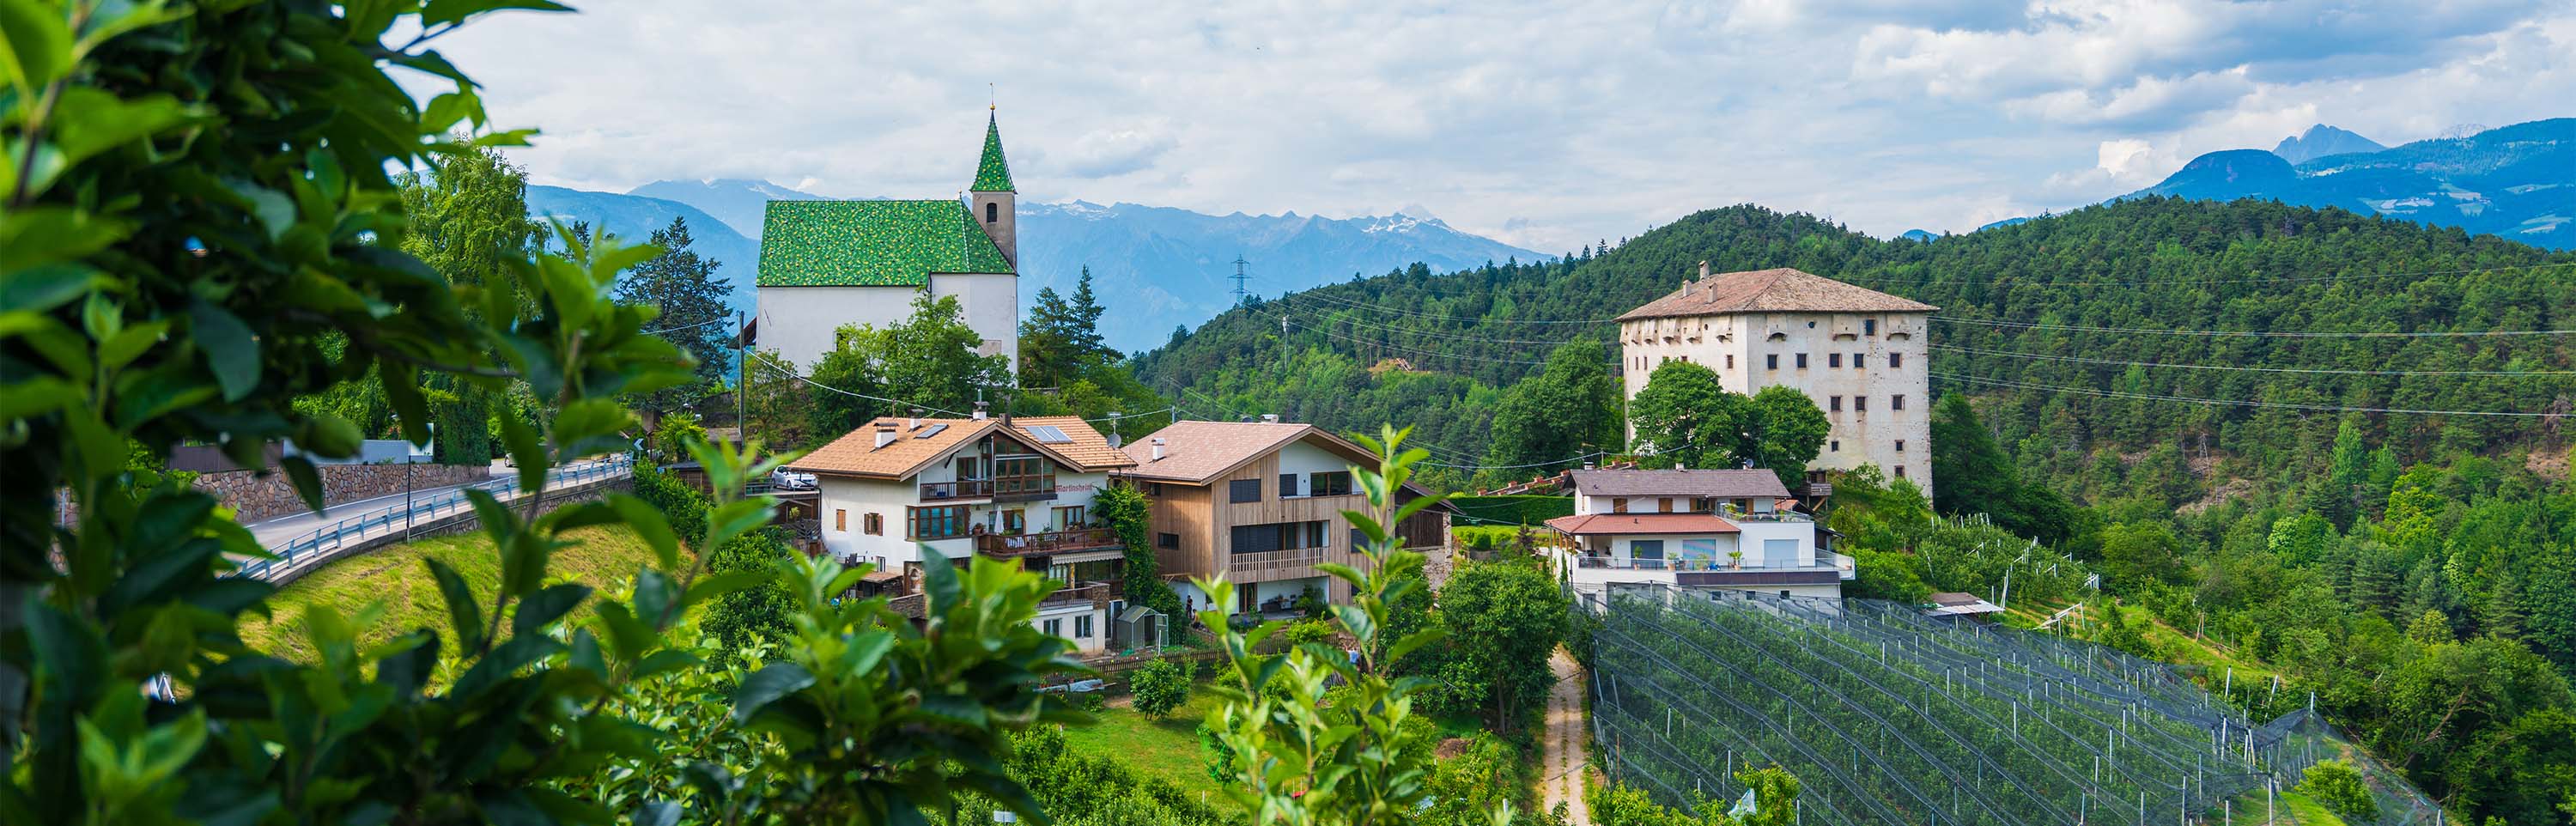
1887 716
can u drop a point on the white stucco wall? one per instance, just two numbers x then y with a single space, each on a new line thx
798 322
1305 461
1858 436
890 499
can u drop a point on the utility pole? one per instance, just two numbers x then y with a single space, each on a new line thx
1239 292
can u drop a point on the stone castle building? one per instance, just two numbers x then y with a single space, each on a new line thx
1858 352
826 264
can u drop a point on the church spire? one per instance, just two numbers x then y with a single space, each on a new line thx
993 173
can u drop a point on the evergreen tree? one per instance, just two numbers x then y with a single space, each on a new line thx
693 308
1061 337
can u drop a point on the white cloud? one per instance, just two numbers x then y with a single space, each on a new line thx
1545 124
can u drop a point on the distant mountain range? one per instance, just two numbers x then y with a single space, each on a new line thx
2516 182
1155 267
2322 140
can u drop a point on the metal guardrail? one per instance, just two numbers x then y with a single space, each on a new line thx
331 538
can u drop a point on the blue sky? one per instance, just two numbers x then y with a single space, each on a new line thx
1544 124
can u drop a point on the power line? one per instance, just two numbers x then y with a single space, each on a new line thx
2325 408
2079 328
717 320
2194 282
1438 334
1419 314
2323 371
1411 351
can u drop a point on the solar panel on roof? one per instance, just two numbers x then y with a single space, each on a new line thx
930 431
1049 434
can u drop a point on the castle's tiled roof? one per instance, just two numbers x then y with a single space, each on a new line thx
872 243
993 173
1780 290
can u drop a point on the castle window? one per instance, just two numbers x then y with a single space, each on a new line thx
1856 360
1771 361
992 211
1860 404
1900 445
1896 402
1834 403
1835 445
1900 471
1869 326
1730 362
1833 359
1895 360
1802 361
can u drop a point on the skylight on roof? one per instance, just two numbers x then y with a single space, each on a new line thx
1049 434
932 430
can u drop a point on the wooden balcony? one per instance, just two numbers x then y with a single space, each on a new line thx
1001 489
1089 592
1269 565
1047 544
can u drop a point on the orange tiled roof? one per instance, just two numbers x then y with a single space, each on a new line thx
1642 523
916 448
1781 290
1196 452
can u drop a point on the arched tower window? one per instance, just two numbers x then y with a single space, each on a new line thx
992 211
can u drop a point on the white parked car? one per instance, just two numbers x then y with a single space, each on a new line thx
787 480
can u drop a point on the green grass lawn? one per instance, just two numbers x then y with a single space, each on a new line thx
1167 749
601 557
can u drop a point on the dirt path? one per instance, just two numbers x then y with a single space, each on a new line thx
1565 765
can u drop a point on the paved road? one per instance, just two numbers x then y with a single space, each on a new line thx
1565 764
279 531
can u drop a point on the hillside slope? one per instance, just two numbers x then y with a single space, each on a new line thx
2153 262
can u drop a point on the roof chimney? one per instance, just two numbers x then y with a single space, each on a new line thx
886 434
1681 467
1270 418
1587 466
979 411
1158 448
915 422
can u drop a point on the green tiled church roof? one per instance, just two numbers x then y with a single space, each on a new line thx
993 174
871 243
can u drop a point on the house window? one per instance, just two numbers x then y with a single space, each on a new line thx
1015 521
1167 540
1802 361
1287 485
1334 483
840 519
1618 505
1833 359
1900 471
1860 404
1068 518
1664 505
937 522
1896 402
1895 360
1900 445
992 211
1646 549
1240 491
1869 326
1053 627
1834 403
1153 488
1082 627
1771 361
874 522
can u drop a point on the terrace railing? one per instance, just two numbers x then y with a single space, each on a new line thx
1046 544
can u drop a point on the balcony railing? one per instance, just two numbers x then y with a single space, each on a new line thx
1047 544
1837 562
1268 562
960 489
1092 592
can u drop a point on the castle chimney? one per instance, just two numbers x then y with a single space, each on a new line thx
1703 270
1158 448
979 411
886 433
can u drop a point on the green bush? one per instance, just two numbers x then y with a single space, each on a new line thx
1309 631
2338 786
1161 686
1524 509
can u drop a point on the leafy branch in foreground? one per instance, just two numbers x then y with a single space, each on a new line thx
1312 736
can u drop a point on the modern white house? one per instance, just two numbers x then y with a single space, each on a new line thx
1699 529
1859 353
903 493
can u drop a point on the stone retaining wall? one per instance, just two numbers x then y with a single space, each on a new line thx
256 495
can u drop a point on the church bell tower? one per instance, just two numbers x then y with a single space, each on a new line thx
993 198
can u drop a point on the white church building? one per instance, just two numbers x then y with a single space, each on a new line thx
829 264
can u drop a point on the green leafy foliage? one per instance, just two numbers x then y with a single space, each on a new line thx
1500 622
1569 410
1130 515
2339 787
928 360
1161 686
693 315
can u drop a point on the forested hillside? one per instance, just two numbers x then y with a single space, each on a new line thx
2298 441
